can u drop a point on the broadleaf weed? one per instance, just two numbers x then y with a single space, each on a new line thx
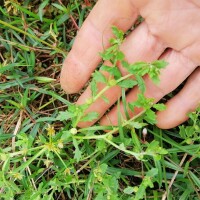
43 152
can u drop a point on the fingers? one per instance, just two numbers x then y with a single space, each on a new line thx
177 71
139 46
92 38
187 100
168 21
196 2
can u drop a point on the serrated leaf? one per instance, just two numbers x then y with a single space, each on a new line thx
125 64
100 196
182 132
141 84
150 117
105 68
128 83
112 70
140 65
159 106
94 89
90 117
66 135
128 190
162 151
142 102
106 55
118 33
136 141
160 64
116 72
154 77
153 146
141 192
99 77
105 99
120 55
131 106
138 125
101 145
103 168
189 130
64 116
77 152
138 68
157 157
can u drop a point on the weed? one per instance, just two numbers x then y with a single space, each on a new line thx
43 153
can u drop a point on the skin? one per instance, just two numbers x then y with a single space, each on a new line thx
170 31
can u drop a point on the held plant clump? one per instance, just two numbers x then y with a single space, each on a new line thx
45 155
136 71
130 145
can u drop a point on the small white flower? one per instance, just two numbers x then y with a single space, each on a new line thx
144 132
73 131
60 144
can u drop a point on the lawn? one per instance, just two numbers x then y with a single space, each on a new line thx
44 155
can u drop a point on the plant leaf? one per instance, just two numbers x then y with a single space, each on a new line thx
64 116
99 77
128 83
159 106
128 190
150 117
90 117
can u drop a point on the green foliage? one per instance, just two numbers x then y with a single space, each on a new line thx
90 117
191 133
143 68
114 71
128 83
64 116
43 153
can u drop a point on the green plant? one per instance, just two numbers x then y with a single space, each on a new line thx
43 153
76 113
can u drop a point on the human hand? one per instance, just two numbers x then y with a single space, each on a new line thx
170 24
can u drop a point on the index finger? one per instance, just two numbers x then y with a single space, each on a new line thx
92 38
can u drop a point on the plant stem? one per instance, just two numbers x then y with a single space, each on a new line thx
88 162
173 178
23 151
123 149
108 87
60 158
112 131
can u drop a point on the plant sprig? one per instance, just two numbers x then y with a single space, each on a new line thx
134 78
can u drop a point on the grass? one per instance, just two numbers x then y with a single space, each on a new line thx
41 158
